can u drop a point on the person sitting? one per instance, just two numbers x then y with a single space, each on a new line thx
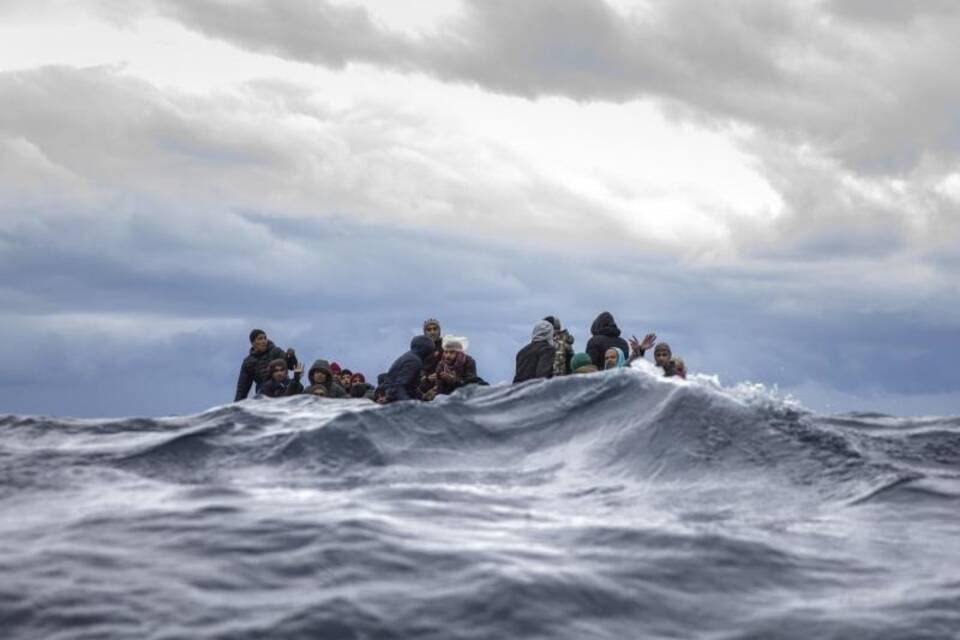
319 375
346 379
536 359
563 342
359 387
456 369
403 378
581 363
680 367
614 359
605 334
663 358
279 385
255 369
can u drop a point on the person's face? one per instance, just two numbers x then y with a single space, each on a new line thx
450 355
279 374
260 343
610 359
319 391
662 357
319 377
345 379
432 331
681 368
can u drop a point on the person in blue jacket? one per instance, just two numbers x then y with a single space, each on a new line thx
402 381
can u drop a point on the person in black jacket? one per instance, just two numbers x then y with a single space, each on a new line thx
536 359
606 334
256 366
403 378
279 385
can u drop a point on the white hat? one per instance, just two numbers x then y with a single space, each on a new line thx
455 343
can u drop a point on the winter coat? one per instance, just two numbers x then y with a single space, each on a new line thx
256 369
403 378
466 375
563 342
536 359
605 334
334 390
274 389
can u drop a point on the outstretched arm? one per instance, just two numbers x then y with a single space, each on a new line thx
637 348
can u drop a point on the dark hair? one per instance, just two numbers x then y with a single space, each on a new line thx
255 333
346 372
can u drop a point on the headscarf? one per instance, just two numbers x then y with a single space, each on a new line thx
621 359
579 360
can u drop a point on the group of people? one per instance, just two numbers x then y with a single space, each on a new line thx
439 365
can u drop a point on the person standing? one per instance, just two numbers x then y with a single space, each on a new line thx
255 369
536 359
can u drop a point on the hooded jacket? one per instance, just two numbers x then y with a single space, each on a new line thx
403 378
334 390
605 334
536 359
256 369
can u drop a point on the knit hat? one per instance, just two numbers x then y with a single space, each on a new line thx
579 360
335 368
430 321
455 343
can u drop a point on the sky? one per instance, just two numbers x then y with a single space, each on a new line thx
771 188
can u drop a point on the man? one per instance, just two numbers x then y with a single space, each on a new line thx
256 366
456 369
320 375
403 379
536 359
431 329
563 342
279 384
663 357
605 334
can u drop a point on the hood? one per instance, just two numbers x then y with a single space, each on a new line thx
605 325
543 332
319 365
621 359
422 346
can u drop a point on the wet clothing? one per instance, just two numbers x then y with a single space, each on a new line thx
464 368
536 359
256 369
605 334
403 378
334 390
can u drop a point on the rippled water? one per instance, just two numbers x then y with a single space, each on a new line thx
615 505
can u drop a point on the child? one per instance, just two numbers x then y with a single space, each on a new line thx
279 385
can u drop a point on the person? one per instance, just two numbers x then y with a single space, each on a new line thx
431 329
604 333
403 378
581 363
255 369
614 359
346 379
335 369
680 367
456 369
536 359
279 384
359 387
563 342
319 375
663 357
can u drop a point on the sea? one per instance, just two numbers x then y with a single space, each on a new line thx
612 505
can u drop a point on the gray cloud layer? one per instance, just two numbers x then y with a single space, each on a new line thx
864 81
